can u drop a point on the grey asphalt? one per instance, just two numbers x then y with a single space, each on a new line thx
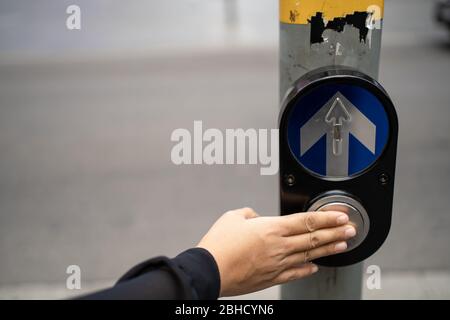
85 170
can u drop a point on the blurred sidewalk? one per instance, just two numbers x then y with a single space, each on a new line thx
394 285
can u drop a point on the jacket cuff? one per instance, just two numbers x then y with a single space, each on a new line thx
202 270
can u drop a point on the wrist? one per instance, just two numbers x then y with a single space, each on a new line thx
201 267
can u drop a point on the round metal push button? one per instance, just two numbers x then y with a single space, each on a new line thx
357 215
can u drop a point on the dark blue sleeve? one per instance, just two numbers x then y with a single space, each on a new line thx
193 274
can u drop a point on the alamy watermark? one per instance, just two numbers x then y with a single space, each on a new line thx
73 281
73 21
234 146
373 281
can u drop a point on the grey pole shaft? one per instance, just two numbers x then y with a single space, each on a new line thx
328 283
298 56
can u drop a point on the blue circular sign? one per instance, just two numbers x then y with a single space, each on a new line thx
337 130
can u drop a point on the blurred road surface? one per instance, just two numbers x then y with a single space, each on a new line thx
85 170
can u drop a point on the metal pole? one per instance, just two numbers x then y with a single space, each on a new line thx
319 33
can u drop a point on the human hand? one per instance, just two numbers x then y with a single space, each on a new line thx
253 252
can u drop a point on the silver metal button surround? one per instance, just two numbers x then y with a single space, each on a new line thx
357 215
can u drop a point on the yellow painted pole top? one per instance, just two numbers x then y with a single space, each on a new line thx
300 11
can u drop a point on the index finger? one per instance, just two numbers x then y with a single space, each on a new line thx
304 222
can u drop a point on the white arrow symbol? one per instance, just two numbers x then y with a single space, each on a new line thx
337 119
335 116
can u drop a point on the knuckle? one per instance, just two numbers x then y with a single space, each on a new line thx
279 228
281 279
292 275
276 229
283 263
306 256
286 246
248 210
311 221
288 276
314 240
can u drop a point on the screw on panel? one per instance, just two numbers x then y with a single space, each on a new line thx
384 179
289 180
